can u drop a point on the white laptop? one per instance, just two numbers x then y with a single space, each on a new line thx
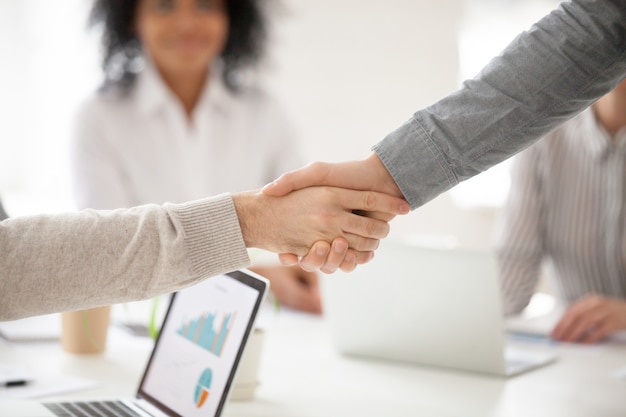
437 307
194 360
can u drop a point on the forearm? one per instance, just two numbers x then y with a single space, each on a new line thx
72 261
544 77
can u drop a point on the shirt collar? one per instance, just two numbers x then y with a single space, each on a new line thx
152 94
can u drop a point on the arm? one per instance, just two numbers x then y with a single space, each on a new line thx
545 76
78 260
72 261
520 244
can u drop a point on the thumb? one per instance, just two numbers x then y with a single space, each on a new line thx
313 174
288 259
278 188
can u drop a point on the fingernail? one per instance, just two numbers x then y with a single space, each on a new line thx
321 250
404 208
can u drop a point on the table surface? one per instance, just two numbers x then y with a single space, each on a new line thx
302 375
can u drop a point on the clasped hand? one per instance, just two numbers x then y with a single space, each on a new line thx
591 319
348 223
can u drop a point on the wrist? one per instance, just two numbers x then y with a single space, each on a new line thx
384 177
244 206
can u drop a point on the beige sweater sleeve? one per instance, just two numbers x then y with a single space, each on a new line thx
60 262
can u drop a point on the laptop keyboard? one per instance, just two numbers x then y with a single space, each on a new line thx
91 409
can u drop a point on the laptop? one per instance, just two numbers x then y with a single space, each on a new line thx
429 306
194 360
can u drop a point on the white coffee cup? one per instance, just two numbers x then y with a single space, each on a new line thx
247 379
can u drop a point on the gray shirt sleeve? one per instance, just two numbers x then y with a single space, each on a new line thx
545 76
62 262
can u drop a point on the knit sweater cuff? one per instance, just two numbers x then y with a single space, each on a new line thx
212 235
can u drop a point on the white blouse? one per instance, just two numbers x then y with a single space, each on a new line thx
141 148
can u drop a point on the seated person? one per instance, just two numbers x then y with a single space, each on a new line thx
567 204
175 122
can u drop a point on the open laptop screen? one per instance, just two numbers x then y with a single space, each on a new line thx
200 344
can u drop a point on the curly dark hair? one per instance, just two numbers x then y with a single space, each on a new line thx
245 44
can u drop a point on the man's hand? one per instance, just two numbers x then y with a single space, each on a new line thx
293 287
328 257
294 222
366 174
591 319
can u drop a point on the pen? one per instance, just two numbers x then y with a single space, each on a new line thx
14 383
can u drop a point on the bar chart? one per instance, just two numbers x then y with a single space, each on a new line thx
209 331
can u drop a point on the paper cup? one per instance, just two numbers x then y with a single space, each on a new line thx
85 331
247 379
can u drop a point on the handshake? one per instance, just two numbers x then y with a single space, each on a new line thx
323 216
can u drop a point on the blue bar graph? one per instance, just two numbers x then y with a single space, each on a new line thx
207 332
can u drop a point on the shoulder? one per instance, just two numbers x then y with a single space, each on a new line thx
103 102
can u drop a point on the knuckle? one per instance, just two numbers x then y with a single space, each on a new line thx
315 165
376 228
317 168
370 227
356 243
369 201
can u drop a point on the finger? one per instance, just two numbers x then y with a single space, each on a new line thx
363 257
386 217
365 227
354 258
362 244
312 174
337 253
565 323
288 259
588 306
349 262
372 201
570 319
585 324
599 332
302 298
293 293
316 257
308 278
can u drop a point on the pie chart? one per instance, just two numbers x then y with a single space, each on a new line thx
203 387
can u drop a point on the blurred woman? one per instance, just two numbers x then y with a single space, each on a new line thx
176 120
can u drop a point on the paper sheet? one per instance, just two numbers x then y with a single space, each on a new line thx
40 384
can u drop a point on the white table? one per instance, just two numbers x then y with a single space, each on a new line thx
302 375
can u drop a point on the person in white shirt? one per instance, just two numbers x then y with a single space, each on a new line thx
567 204
173 121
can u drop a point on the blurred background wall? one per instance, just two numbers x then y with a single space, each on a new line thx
350 71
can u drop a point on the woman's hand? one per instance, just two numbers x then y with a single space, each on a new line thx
590 319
